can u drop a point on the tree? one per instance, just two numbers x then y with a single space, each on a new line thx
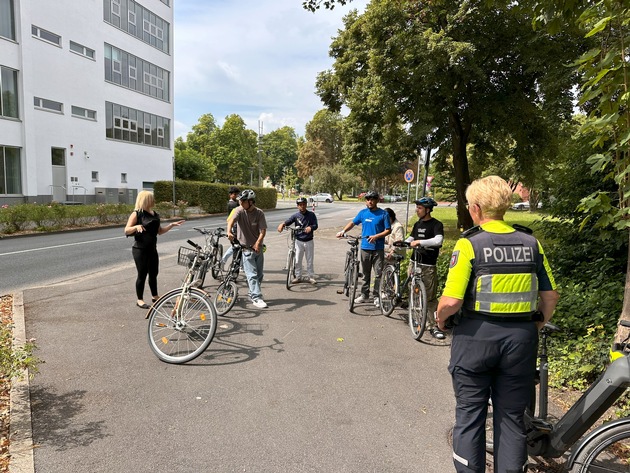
606 97
280 152
201 135
335 180
191 165
232 149
454 73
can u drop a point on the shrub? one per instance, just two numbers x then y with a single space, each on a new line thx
14 361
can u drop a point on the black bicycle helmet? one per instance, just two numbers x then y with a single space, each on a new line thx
234 190
301 200
371 195
247 194
426 202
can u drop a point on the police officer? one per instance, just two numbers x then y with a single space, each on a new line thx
501 288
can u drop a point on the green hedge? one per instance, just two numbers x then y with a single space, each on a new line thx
212 198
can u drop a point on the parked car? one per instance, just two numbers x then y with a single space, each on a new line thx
524 206
392 198
321 197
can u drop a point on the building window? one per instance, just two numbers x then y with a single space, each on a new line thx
46 35
58 156
81 112
123 68
165 2
82 50
10 170
7 19
49 105
128 15
123 177
135 126
8 92
94 176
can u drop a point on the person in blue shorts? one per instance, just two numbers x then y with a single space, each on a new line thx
375 226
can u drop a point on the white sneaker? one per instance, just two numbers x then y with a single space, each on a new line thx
296 281
361 299
260 304
311 280
377 302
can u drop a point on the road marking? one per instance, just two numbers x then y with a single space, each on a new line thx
59 246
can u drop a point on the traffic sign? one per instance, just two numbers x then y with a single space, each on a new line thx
408 175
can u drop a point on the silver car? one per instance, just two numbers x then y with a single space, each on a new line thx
321 197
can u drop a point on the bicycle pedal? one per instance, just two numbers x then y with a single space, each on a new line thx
542 425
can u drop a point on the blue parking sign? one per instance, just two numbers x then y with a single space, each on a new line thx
408 175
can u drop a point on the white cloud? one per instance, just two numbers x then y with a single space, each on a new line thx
258 59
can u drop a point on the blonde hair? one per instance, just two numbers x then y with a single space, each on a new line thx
145 200
492 194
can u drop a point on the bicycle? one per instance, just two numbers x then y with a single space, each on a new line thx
227 292
351 270
391 291
606 448
182 322
212 252
290 263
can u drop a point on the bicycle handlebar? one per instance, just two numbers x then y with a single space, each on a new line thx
193 244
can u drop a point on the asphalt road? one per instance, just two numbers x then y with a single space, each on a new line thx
303 386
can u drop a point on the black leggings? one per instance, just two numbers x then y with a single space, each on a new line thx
147 263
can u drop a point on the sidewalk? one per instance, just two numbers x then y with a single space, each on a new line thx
303 386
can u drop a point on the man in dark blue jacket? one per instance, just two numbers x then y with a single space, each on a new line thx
304 245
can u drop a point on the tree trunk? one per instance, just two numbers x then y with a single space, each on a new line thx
623 332
459 138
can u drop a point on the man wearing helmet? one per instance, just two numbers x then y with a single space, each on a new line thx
303 241
251 230
375 227
428 233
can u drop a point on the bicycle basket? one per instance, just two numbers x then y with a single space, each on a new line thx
185 256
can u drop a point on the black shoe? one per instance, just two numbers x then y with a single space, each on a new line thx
142 306
437 333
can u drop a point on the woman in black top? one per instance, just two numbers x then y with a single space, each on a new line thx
144 225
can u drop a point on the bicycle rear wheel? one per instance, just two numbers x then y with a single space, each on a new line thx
388 289
608 451
290 268
225 298
354 280
179 339
216 262
417 308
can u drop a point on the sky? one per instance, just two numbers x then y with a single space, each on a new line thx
258 59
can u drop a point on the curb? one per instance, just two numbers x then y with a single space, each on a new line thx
20 428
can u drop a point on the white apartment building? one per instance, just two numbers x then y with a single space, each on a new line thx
86 99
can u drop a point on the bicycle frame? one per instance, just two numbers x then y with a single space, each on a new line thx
553 441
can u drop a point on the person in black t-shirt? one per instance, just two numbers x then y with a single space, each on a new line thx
428 233
144 225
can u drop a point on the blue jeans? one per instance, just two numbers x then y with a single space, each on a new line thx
253 265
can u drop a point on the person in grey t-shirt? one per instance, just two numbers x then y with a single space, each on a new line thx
250 231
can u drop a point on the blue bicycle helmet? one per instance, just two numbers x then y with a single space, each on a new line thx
426 202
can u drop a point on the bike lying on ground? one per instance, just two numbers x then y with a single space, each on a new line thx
290 264
604 449
210 257
227 292
391 291
183 321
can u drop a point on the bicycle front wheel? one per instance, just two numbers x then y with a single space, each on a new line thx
388 290
225 298
607 452
290 268
181 325
347 273
417 308
217 262
354 280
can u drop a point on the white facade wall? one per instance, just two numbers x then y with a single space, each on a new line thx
59 74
